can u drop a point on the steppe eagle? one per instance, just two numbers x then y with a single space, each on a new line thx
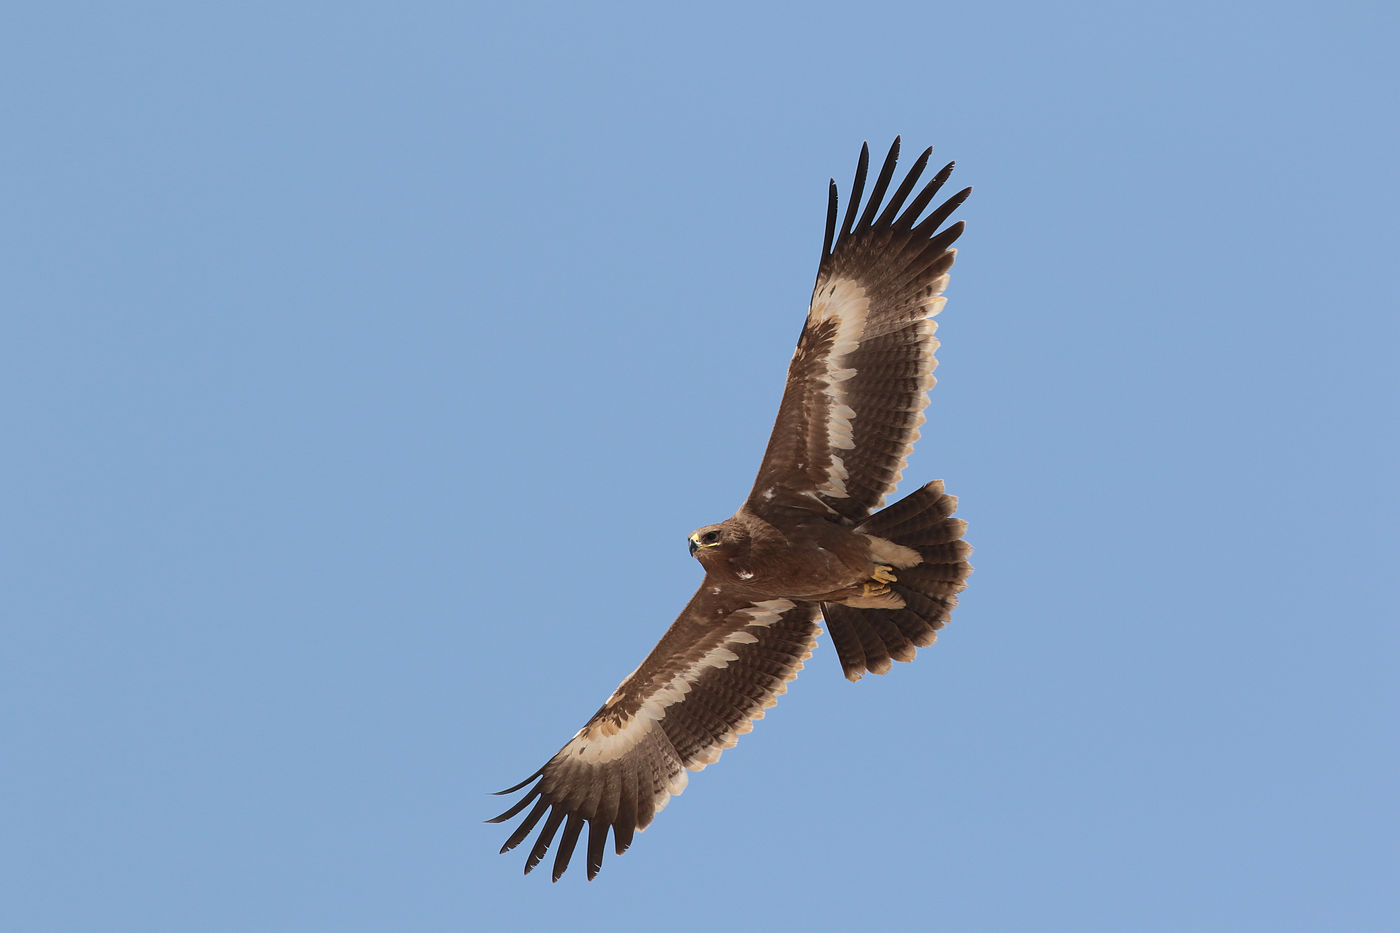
811 539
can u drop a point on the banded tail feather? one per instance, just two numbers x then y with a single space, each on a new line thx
869 639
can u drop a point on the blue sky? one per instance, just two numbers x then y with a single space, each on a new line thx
364 366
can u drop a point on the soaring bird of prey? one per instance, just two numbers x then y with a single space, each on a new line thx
812 539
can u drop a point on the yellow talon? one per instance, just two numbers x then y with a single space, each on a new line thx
869 590
884 573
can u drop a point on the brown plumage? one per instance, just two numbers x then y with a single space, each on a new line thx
811 539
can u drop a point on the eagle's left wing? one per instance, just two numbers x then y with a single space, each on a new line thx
859 380
724 661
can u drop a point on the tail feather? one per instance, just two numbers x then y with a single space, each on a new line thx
921 518
868 639
875 649
936 579
844 626
911 507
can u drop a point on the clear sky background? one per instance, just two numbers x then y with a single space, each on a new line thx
363 367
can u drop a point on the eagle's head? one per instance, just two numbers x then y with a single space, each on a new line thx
728 539
711 536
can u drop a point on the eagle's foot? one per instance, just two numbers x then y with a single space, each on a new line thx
879 583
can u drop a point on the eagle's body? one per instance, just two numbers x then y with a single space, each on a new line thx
810 541
792 553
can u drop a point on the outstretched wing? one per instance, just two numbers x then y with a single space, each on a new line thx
859 381
720 665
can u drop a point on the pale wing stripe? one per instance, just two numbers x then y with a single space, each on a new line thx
606 741
844 302
594 748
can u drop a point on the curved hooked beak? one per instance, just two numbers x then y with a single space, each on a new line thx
694 542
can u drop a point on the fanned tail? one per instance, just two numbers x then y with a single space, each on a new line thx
869 639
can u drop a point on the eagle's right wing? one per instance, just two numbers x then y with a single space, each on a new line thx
859 381
724 661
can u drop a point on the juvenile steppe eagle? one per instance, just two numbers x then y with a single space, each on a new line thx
810 541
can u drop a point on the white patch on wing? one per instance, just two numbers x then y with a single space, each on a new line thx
927 328
607 740
768 611
763 614
845 302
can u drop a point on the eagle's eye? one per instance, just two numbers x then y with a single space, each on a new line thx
710 537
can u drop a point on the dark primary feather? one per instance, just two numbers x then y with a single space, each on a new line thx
906 186
831 199
857 186
882 183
